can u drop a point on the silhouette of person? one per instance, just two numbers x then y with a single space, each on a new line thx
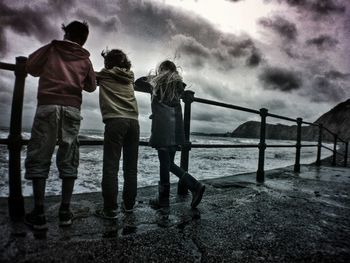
167 132
64 70
120 114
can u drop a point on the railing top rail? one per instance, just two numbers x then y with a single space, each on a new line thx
7 66
225 105
340 139
328 130
281 117
323 146
311 123
334 134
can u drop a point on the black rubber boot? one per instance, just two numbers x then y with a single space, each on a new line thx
195 187
162 200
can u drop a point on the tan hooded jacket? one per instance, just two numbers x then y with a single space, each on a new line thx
117 96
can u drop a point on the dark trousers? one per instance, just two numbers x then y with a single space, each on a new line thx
166 164
120 134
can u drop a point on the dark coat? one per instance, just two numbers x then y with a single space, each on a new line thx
167 122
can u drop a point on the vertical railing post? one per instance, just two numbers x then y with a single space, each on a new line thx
15 199
187 98
260 174
334 161
319 145
298 146
346 154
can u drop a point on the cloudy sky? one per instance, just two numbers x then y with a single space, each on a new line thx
290 56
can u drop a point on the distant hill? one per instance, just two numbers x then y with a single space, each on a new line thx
251 129
336 120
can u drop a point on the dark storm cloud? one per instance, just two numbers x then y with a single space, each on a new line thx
319 8
60 6
26 20
254 59
245 47
334 74
35 19
194 36
188 46
237 48
280 79
229 52
281 26
327 90
326 7
147 20
323 42
275 104
291 52
107 25
242 47
157 21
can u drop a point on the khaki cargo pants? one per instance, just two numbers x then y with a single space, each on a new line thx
52 124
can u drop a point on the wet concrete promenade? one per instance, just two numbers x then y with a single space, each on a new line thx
290 218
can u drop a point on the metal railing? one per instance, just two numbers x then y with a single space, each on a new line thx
15 141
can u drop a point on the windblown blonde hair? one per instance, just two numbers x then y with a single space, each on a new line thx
165 80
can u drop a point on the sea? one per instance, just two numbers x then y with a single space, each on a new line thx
204 163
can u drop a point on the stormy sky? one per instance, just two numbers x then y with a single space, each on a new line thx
290 56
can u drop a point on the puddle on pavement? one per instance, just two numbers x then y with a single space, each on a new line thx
284 185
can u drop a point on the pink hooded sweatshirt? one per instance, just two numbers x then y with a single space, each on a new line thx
65 70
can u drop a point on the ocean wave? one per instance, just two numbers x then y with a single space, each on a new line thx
219 158
90 137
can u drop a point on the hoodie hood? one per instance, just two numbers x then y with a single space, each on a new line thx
119 74
117 95
70 50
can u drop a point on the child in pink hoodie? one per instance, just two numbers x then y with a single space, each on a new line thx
64 70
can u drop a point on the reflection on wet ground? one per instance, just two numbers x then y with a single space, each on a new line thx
237 221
